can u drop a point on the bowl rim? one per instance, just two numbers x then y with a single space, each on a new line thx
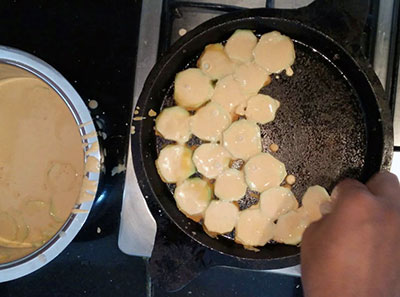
64 236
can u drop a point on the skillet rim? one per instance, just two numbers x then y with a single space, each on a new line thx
213 24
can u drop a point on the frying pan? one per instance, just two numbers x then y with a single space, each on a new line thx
334 121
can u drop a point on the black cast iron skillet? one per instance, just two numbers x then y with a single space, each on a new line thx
333 121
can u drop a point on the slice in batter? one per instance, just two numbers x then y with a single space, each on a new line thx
230 185
240 45
192 197
192 88
228 93
274 52
33 212
174 163
23 230
8 227
220 217
261 108
290 227
243 139
253 228
312 200
173 124
210 121
277 201
263 172
251 78
211 159
214 62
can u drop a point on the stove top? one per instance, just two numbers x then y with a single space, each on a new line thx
175 258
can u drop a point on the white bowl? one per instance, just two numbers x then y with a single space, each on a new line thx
29 65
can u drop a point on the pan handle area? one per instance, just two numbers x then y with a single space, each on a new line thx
342 20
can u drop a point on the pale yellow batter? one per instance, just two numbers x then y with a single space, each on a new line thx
41 165
230 185
192 197
221 217
214 62
277 201
228 94
239 47
253 228
209 122
251 78
173 124
312 200
211 159
192 88
275 52
261 108
263 172
291 226
174 164
243 139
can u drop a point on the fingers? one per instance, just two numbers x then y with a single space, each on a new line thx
347 189
385 185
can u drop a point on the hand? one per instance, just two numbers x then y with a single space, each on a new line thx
355 250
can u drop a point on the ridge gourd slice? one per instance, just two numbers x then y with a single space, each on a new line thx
173 124
239 47
230 185
312 200
214 62
261 108
276 202
263 172
192 88
220 217
243 139
209 122
211 159
251 78
253 228
174 163
274 52
192 197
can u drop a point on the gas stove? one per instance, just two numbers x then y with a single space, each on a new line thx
145 230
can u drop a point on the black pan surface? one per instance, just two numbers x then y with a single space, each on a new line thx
333 121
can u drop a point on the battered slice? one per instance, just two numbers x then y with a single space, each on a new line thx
192 88
312 200
277 201
243 139
173 124
174 163
229 94
291 226
240 45
23 229
263 172
211 159
210 121
261 108
220 217
230 185
253 228
8 227
214 62
251 78
274 52
192 197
